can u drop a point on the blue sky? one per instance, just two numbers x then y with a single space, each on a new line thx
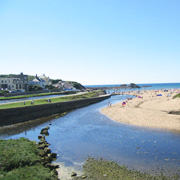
92 41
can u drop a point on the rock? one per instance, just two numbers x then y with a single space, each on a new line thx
132 85
51 166
47 134
73 174
55 172
84 177
174 112
41 137
42 142
47 159
45 130
53 155
42 146
47 150
42 153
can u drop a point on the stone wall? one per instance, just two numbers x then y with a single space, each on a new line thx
22 114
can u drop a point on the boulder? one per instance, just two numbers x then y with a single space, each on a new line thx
132 85
51 166
41 137
53 155
47 150
73 174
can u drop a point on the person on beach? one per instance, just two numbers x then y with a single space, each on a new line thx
109 104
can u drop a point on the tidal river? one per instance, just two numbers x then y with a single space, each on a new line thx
86 132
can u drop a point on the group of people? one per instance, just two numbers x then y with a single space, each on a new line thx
32 102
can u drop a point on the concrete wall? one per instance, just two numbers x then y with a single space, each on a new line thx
17 115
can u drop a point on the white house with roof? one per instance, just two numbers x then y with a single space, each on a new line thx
38 81
45 78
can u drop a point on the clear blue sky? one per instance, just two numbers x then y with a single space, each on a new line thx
92 41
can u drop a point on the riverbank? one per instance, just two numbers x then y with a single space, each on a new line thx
24 159
51 100
107 170
149 109
41 108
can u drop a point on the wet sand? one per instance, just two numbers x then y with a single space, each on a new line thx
149 111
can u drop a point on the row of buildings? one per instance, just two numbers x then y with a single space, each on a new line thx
14 82
21 83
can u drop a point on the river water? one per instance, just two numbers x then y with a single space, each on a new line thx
87 132
29 98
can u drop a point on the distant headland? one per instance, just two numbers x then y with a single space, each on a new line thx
122 86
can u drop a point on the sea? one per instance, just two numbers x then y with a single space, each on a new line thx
154 86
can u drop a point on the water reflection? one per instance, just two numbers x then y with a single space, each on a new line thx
86 132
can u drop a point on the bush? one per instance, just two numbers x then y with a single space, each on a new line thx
35 88
3 92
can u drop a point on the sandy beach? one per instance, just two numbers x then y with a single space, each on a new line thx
149 109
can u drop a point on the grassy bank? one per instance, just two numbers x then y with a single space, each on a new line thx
32 95
177 96
107 170
53 100
20 159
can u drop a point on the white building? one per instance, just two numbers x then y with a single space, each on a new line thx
45 78
41 81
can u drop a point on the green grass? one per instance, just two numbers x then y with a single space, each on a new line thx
15 153
177 96
106 170
53 100
19 160
30 95
36 172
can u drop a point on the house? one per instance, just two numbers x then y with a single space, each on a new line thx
22 83
46 79
14 83
38 81
65 85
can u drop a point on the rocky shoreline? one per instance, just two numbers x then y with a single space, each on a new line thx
45 152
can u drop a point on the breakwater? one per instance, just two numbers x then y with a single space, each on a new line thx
22 114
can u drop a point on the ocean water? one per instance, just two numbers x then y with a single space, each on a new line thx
151 86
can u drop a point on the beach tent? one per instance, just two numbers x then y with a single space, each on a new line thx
124 103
